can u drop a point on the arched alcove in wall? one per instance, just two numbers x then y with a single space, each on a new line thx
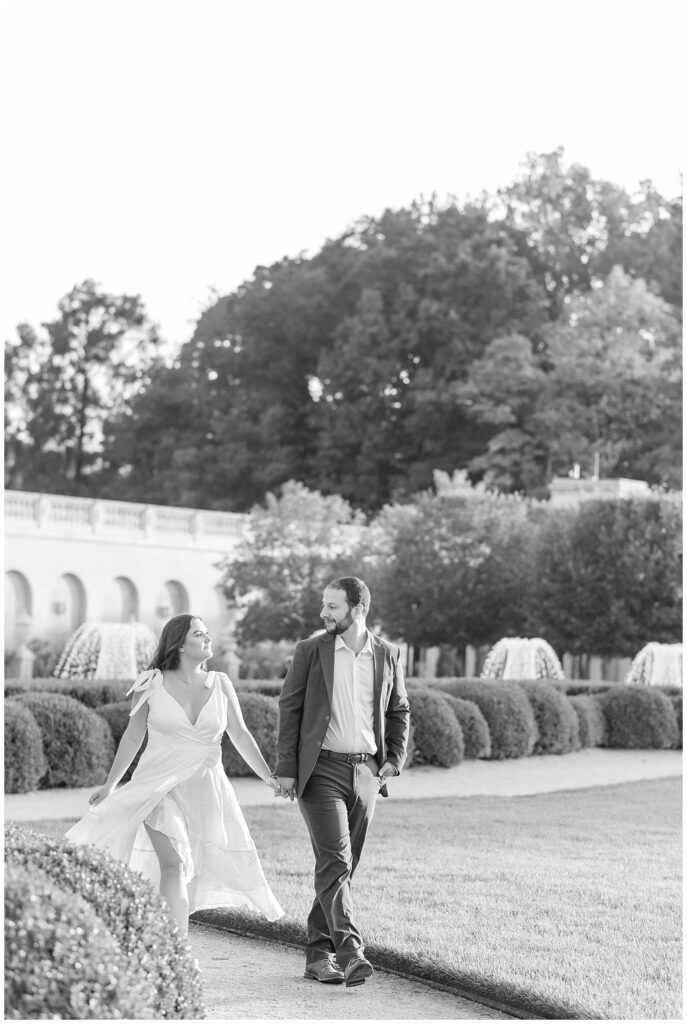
18 605
172 599
67 604
120 601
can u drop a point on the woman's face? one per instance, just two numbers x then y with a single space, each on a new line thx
197 643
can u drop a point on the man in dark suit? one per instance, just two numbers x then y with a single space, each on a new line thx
343 731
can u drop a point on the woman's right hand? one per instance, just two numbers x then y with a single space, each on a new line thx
98 797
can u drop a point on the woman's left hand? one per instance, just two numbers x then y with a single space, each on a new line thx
272 781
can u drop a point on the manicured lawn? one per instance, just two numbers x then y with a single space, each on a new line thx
564 904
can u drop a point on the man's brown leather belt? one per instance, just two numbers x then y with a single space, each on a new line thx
349 758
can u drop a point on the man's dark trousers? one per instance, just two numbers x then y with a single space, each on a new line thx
337 804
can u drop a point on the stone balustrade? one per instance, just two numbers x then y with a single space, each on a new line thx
61 515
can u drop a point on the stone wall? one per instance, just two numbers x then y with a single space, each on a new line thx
68 560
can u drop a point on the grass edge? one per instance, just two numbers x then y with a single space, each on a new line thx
508 999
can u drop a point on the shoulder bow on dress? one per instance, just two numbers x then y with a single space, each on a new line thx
145 685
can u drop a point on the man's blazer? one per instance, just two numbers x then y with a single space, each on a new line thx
305 706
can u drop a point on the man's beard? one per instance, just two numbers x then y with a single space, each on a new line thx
340 627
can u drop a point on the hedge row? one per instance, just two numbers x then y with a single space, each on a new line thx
54 740
91 692
96 692
86 938
507 719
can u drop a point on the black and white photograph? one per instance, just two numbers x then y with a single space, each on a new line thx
343 509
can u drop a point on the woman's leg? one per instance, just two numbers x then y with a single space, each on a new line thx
172 884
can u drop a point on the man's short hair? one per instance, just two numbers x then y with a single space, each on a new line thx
356 591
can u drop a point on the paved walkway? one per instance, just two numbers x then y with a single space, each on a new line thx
254 979
250 979
518 777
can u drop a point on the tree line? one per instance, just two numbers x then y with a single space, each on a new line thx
510 336
467 566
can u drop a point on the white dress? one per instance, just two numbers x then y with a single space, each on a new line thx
179 788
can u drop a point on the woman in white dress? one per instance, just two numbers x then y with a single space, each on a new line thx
177 820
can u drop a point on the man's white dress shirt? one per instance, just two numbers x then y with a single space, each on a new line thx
351 728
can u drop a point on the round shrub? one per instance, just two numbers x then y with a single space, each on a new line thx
555 717
116 715
77 742
61 962
639 718
437 737
590 720
506 710
157 959
25 762
473 725
261 715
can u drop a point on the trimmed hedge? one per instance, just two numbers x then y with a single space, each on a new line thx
61 962
91 692
267 687
25 762
676 700
154 959
581 687
117 717
590 720
559 732
261 715
437 736
477 741
77 743
506 710
639 717
96 692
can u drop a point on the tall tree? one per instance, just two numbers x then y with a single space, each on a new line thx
607 383
579 227
439 284
346 370
63 382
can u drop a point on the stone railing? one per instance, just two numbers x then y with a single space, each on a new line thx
58 514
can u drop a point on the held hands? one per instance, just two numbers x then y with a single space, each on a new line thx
273 782
287 787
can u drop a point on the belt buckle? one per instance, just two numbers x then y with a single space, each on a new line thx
355 758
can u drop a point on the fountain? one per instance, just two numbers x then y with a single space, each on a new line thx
656 665
516 657
107 650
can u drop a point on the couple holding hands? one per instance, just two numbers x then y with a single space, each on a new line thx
343 732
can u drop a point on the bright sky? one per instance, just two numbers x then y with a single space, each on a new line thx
168 148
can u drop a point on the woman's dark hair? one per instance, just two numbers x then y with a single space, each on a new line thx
173 634
355 590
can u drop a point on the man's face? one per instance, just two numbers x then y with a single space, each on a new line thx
335 614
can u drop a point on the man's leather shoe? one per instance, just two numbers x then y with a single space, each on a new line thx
357 969
326 970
